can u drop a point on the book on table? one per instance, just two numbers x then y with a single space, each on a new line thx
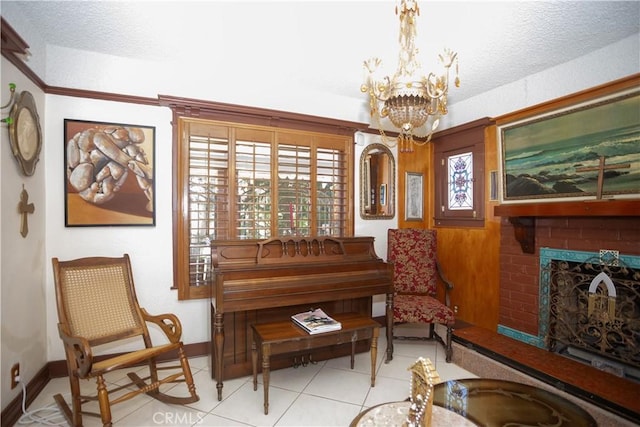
316 321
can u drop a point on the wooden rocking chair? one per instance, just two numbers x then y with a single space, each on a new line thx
97 304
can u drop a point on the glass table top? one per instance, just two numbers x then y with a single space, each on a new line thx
394 414
490 402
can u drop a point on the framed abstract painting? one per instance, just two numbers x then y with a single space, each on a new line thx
109 174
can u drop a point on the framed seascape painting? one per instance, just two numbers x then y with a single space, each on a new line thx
109 174
587 151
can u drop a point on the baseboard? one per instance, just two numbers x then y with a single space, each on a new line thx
12 413
58 368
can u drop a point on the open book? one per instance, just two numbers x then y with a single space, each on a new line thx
316 321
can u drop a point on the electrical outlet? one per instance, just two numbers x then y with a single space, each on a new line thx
15 375
455 309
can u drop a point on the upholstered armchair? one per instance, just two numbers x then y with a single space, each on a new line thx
417 273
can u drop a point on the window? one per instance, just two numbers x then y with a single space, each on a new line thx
460 181
459 176
247 181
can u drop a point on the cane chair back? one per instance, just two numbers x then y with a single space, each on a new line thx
97 300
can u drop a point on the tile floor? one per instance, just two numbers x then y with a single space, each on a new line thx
328 393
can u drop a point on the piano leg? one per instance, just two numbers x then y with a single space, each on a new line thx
218 326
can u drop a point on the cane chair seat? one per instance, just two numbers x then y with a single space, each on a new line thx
97 304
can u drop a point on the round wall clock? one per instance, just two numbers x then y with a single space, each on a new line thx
24 133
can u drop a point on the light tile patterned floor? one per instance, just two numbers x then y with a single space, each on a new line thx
325 394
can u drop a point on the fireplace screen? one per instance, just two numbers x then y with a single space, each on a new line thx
594 311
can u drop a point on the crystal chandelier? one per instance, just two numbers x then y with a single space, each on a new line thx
409 99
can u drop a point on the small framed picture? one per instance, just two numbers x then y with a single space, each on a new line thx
414 199
383 194
493 185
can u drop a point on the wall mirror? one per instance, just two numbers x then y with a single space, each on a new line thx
377 183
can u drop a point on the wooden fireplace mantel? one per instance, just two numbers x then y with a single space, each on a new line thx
522 215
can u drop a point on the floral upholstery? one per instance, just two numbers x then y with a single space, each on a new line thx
413 253
420 309
416 277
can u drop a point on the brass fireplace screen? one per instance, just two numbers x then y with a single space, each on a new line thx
594 308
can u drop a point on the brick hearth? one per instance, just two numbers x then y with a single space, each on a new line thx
611 400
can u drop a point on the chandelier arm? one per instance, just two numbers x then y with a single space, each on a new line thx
383 89
429 86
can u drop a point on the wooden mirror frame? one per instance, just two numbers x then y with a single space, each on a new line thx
377 191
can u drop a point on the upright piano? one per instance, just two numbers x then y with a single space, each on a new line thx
257 281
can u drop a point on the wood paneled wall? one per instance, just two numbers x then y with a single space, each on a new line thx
419 162
469 256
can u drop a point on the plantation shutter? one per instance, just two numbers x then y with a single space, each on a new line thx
255 182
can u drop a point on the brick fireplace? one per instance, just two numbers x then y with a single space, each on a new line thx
520 272
572 226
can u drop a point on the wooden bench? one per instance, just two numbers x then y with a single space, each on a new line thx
285 337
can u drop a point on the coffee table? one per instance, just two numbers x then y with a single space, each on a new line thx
491 402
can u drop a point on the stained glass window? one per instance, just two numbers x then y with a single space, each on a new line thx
460 182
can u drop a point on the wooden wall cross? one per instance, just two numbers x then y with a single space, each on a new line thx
24 207
601 168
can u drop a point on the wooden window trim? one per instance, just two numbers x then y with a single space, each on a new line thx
187 107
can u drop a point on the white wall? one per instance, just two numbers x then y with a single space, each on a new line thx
376 227
610 63
150 248
24 334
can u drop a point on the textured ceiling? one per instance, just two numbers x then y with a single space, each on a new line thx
321 45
